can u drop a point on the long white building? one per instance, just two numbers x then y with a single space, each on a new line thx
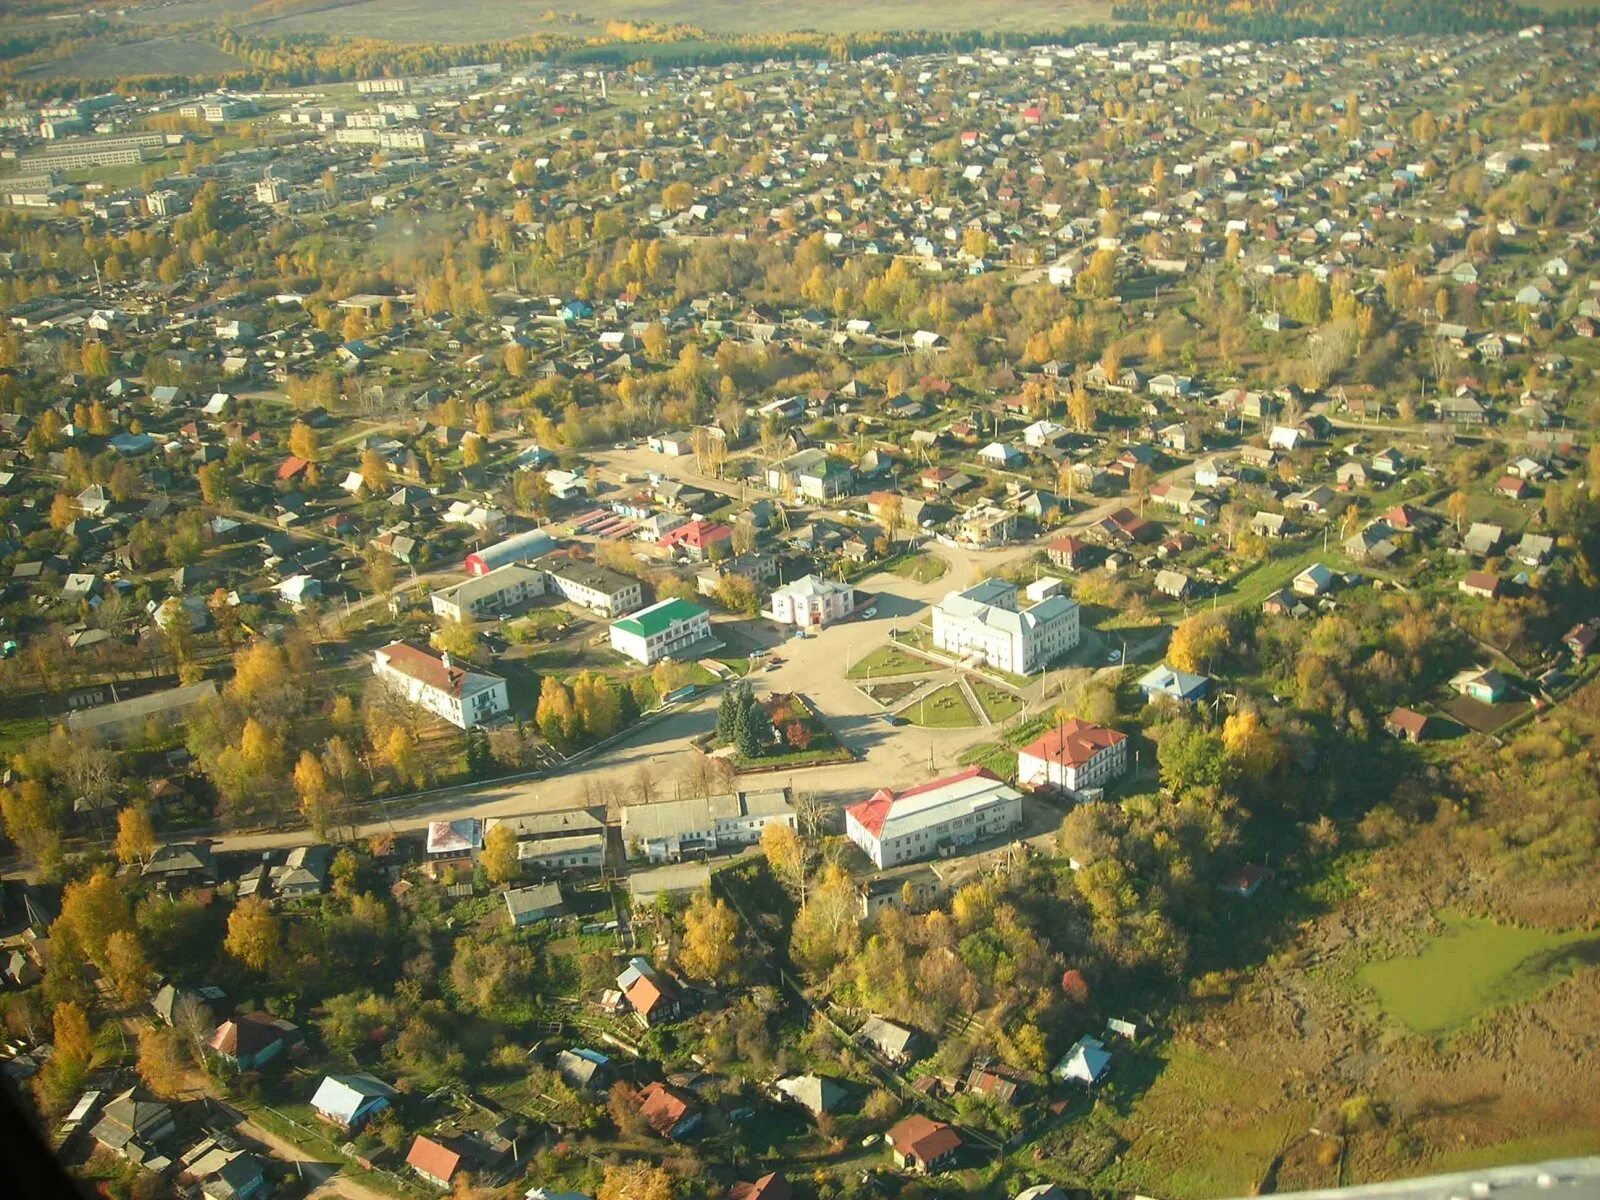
465 698
667 830
482 595
984 623
933 818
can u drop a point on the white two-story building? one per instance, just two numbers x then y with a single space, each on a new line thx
661 631
1074 757
463 697
812 601
933 818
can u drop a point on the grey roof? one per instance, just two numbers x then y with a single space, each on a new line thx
106 717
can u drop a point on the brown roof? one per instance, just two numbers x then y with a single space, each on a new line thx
425 667
1407 721
1073 743
771 1186
433 1159
645 994
250 1034
923 1139
663 1106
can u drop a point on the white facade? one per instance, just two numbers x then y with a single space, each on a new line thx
660 631
1074 757
984 622
502 588
597 589
812 601
464 698
666 831
934 818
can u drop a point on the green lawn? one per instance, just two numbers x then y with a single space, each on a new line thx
1472 967
922 568
1200 1129
1253 586
887 660
15 732
998 704
945 708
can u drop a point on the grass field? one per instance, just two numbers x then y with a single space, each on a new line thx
1472 967
1204 1127
998 704
922 568
887 660
945 708
424 20
157 56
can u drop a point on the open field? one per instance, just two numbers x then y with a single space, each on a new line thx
1474 966
157 56
420 20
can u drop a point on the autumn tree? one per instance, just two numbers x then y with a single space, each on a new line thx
499 856
253 935
710 939
161 1064
136 836
789 858
92 910
311 786
33 820
72 1043
374 472
127 969
635 1180
1197 641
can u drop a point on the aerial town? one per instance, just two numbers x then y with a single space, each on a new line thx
1010 622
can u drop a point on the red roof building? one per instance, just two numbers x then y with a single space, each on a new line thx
697 538
670 1111
434 1161
922 1145
894 828
1073 757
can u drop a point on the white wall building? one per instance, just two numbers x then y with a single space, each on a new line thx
933 818
660 631
812 601
1074 757
596 588
465 698
499 590
984 622
666 831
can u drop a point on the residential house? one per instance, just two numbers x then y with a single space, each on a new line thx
894 1042
1481 584
539 902
134 1127
1406 723
818 1094
1071 554
652 996
350 1101
922 1145
1315 580
1171 682
252 1039
1087 1062
672 1112
436 1160
1483 684
586 1070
